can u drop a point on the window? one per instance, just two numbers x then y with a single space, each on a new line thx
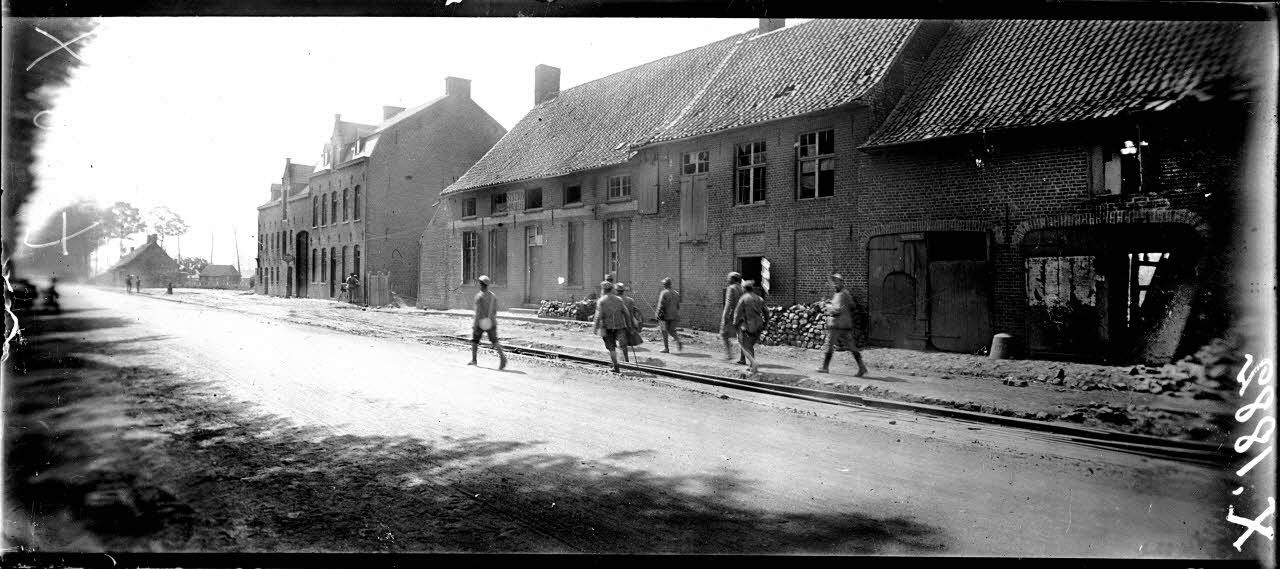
612 252
533 198
315 210
333 263
498 256
313 265
355 258
619 187
324 260
816 164
572 194
1124 167
574 264
344 262
333 206
469 207
345 201
498 203
695 162
469 260
751 160
355 204
324 211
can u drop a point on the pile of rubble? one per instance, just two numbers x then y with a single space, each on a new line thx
582 310
800 325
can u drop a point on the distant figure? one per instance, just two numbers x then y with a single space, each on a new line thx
732 293
486 322
137 282
637 323
128 284
612 322
750 318
51 296
840 326
170 289
353 287
669 315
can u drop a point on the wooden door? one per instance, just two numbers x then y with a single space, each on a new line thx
959 310
533 263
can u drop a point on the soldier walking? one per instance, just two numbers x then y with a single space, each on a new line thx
612 320
732 293
840 326
128 284
486 322
353 287
751 318
669 315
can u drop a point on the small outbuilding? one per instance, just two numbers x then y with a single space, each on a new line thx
219 276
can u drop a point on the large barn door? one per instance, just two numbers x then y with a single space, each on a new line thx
960 318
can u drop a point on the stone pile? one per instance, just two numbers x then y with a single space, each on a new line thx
800 325
582 310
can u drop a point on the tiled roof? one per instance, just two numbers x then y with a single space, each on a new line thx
219 271
596 123
1015 73
131 256
813 66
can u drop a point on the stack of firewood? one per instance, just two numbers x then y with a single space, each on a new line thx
801 325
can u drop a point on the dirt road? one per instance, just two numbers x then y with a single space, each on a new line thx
203 429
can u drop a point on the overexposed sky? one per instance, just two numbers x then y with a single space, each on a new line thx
198 114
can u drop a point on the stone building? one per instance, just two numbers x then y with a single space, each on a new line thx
966 177
364 205
150 263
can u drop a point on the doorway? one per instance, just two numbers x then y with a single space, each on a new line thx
301 246
533 263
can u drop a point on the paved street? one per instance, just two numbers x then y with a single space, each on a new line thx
260 435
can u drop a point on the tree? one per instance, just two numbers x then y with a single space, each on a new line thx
192 265
122 221
164 222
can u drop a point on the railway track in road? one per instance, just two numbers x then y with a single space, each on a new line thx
1141 445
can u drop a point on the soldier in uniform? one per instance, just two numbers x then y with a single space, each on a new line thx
750 318
840 326
486 322
669 315
732 293
612 320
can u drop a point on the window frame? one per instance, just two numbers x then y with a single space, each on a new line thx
565 197
346 197
355 203
620 178
756 148
818 159
493 204
470 256
333 203
699 159
612 246
529 193
468 204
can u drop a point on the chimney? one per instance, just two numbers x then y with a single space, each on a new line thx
770 24
546 83
389 111
457 86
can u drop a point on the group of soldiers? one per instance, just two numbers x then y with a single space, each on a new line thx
745 317
132 283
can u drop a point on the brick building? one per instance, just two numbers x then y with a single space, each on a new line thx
362 208
936 164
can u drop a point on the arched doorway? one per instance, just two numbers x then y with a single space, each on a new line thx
302 247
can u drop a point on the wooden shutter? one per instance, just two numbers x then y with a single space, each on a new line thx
624 250
698 207
686 209
648 189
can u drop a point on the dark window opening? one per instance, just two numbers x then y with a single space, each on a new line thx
533 198
572 195
498 204
750 268
469 207
355 204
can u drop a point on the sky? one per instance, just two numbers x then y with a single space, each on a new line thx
199 114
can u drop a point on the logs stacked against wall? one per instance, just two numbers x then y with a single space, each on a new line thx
582 310
801 325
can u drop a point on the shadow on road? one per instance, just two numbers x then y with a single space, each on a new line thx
142 460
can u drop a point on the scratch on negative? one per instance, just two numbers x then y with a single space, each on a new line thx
8 310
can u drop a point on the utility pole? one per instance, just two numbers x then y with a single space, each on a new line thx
210 247
236 241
